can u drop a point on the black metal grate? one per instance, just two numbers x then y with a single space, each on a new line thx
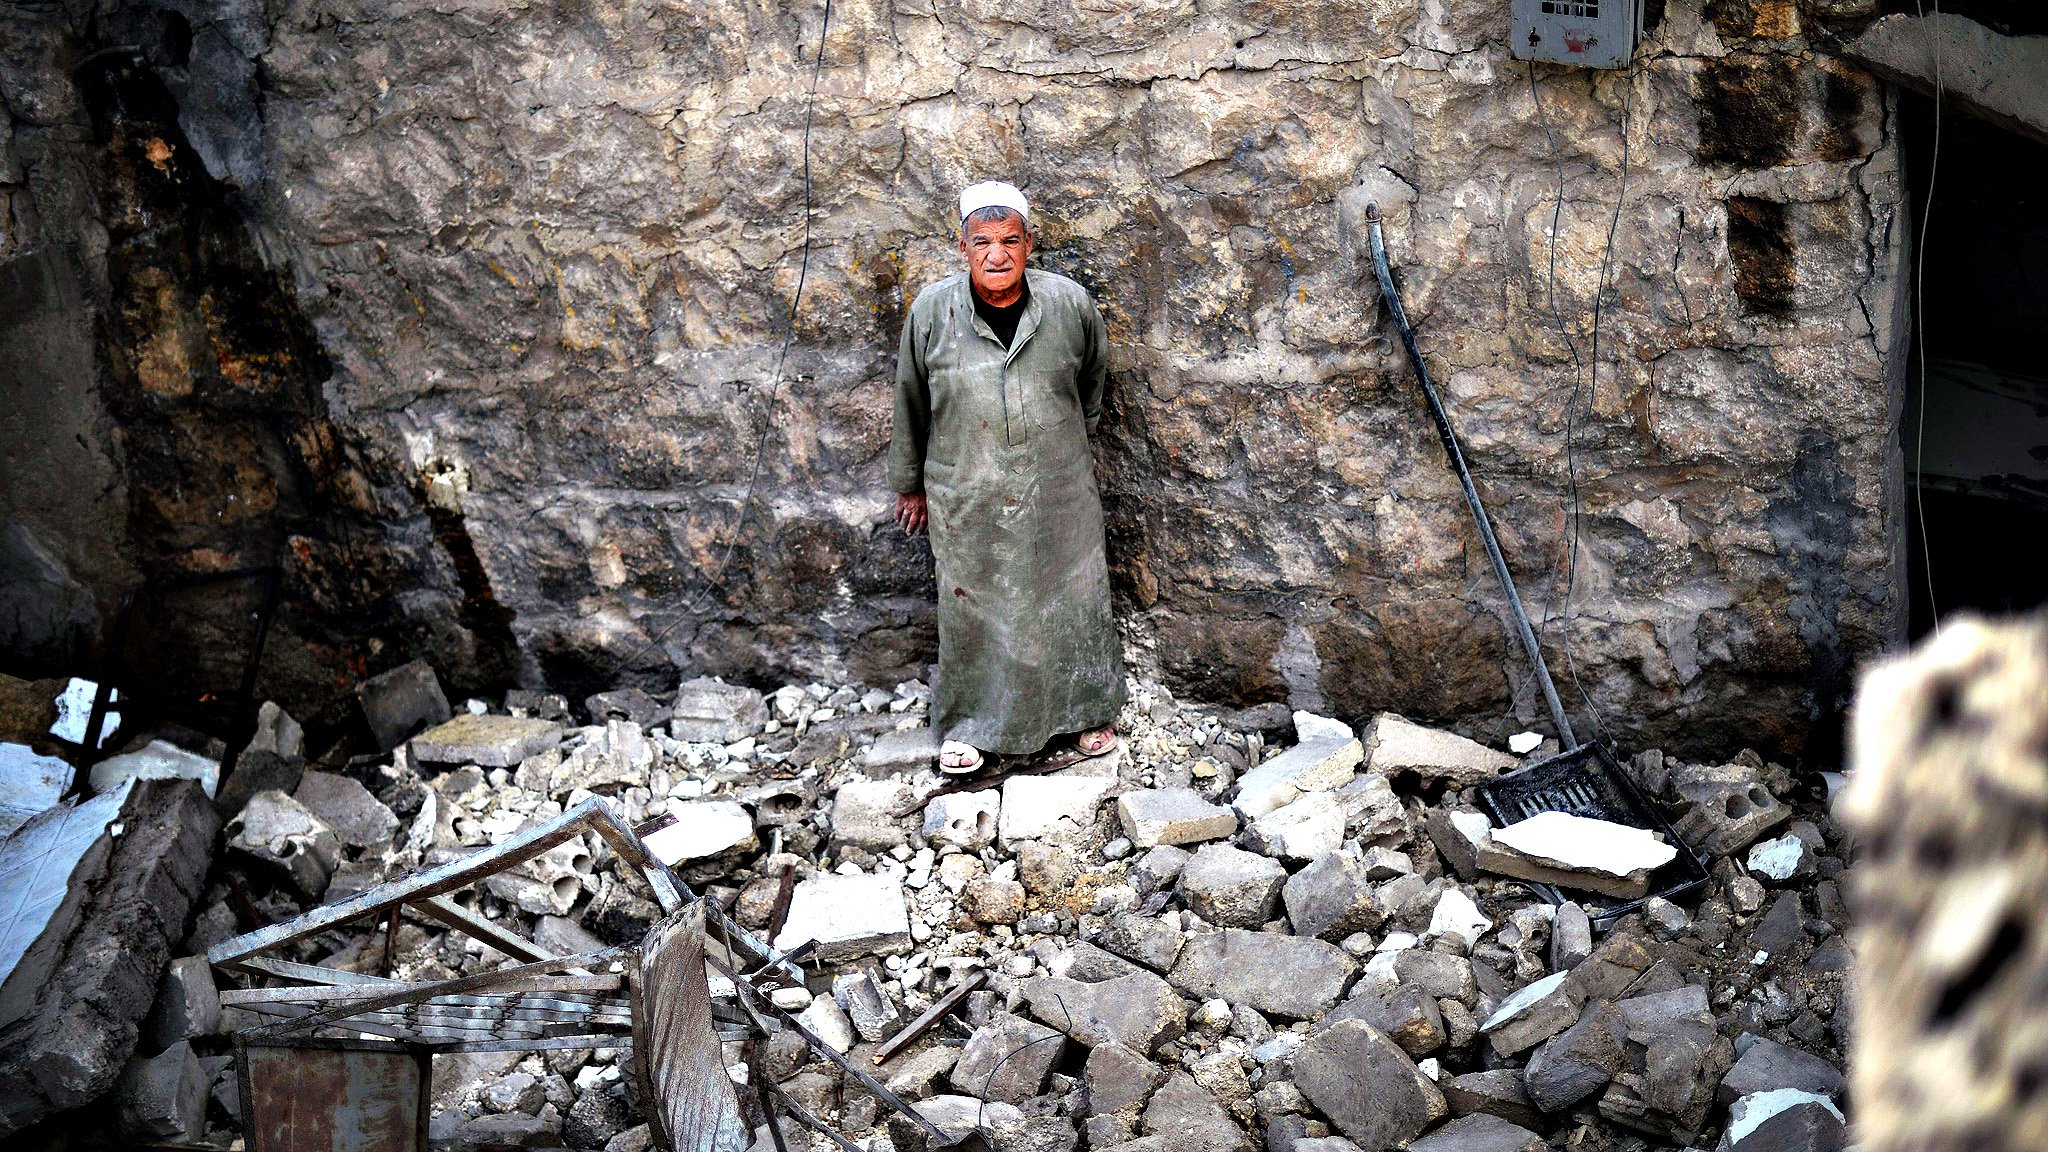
1587 782
1585 9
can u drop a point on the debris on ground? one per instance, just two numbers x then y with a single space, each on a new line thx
1240 930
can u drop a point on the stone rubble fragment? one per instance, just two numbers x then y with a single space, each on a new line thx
1479 1132
1367 1085
401 702
187 1003
31 784
962 819
1294 977
1055 807
702 829
1395 744
1007 1059
163 1097
1172 816
848 916
278 831
1139 1011
901 750
1333 897
1303 829
1231 887
359 820
157 760
708 710
489 741
1321 765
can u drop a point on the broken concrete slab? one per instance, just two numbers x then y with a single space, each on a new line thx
1479 1132
487 741
848 916
1292 976
157 760
1332 898
1321 765
1172 816
1007 1059
1574 851
902 750
31 784
629 704
1055 807
1372 812
1303 829
401 702
1367 1085
1457 835
84 933
710 711
1230 887
1993 77
1406 1015
1141 1011
1397 744
702 829
860 995
358 819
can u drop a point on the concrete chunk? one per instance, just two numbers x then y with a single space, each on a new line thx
1007 1059
359 819
963 819
1172 816
1321 765
487 741
848 916
702 829
901 750
1479 1133
280 832
1531 1015
157 760
1397 744
1300 830
1145 939
1367 1085
1768 1064
164 1096
1332 898
1230 887
1292 976
710 711
1056 807
403 701
187 1003
1119 1079
1139 1011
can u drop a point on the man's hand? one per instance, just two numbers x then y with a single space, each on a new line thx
910 513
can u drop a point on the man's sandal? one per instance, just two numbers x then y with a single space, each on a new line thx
1099 742
957 759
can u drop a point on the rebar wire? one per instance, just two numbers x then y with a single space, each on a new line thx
716 583
1920 316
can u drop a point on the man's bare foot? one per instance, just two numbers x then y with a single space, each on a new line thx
957 759
1097 742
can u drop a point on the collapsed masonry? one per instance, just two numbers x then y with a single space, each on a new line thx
1205 943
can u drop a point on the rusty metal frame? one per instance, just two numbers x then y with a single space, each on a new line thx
246 1092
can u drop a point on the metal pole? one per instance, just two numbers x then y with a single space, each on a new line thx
1450 439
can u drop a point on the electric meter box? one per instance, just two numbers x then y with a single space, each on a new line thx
1581 33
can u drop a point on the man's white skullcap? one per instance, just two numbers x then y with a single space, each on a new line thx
993 194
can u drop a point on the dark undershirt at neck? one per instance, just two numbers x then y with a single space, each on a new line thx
1002 321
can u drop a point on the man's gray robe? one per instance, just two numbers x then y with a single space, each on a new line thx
998 442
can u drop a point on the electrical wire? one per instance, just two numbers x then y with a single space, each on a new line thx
1920 317
717 581
1585 380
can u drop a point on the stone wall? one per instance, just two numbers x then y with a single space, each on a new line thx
548 251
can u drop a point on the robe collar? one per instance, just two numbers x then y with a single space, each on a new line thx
1027 324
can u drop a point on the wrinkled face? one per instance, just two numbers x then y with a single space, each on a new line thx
995 252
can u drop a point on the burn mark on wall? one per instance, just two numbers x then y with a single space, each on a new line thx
1760 245
1749 110
489 622
1813 523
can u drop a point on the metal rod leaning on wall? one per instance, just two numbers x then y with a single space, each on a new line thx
1451 449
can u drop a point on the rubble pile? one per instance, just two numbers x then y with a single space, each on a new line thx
1240 930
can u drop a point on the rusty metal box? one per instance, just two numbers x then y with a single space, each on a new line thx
334 1096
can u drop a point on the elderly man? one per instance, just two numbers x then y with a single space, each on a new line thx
998 383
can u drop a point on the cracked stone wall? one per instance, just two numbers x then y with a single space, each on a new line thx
548 251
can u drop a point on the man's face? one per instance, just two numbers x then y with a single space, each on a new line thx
995 252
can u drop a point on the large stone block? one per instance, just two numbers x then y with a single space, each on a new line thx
1367 1085
1292 976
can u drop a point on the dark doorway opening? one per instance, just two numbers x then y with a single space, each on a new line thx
1976 452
